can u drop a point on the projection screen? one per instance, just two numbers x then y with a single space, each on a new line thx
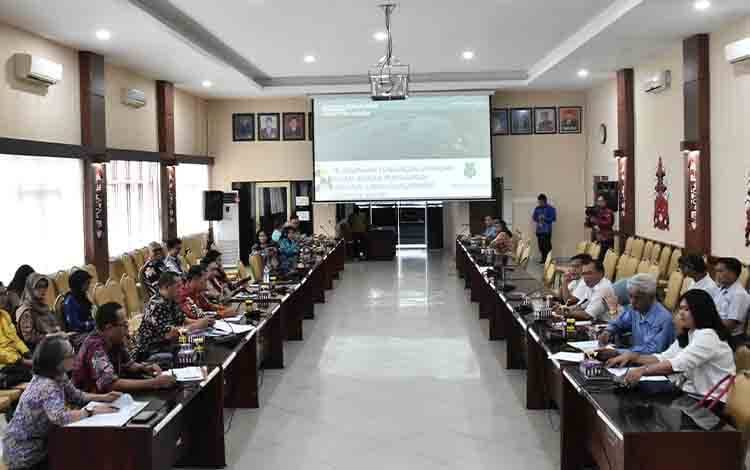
433 147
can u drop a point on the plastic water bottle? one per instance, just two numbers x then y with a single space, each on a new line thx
266 274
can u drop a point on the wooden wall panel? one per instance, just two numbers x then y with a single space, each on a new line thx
626 150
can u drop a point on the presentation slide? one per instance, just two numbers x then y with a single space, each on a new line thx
421 148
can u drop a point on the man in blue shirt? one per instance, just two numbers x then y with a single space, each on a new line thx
490 231
645 318
544 216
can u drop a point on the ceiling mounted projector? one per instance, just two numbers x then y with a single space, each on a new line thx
389 78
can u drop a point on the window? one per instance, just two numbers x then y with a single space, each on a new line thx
133 205
192 180
42 201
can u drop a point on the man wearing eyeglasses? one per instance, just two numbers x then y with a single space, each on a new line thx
103 363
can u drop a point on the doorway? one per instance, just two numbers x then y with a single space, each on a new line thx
273 202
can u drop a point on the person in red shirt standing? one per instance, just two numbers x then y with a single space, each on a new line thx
602 224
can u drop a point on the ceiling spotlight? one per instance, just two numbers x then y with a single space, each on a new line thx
207 84
103 35
701 5
583 73
380 36
467 55
309 59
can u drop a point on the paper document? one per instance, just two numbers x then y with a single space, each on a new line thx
127 408
585 345
223 327
234 319
620 371
568 357
186 374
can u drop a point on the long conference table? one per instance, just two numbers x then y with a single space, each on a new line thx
599 425
189 428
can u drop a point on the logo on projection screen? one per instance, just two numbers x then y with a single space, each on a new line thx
470 170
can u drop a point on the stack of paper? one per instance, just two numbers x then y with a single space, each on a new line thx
126 409
568 357
186 374
585 345
620 371
222 327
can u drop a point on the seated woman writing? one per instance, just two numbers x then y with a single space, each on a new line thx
44 404
698 359
34 318
15 357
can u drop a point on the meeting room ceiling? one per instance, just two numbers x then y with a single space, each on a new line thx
248 48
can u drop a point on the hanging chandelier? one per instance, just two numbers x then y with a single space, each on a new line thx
389 78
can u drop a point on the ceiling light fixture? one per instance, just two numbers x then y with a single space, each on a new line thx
701 5
380 36
467 55
389 78
103 35
583 73
309 59
207 84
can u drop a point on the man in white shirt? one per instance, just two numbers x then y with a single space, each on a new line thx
591 294
694 267
732 300
572 278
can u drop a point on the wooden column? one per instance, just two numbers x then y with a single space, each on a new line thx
165 122
94 143
625 154
697 144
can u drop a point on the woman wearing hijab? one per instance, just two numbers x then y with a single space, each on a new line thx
77 306
34 317
16 288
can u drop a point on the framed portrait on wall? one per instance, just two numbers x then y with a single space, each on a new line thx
520 121
243 127
268 126
571 118
499 121
294 126
545 121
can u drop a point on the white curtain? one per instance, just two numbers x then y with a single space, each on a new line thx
42 211
133 205
192 180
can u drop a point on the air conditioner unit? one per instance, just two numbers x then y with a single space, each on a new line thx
738 51
658 83
37 69
133 97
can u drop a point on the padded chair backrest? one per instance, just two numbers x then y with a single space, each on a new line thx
129 266
183 263
617 243
243 271
101 295
631 267
596 250
674 286
643 267
674 261
91 269
653 269
138 259
256 266
61 281
664 257
647 248
744 276
620 268
524 261
637 250
742 359
547 261
116 269
582 247
57 309
628 246
52 293
549 275
133 305
115 291
610 264
687 283
655 253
